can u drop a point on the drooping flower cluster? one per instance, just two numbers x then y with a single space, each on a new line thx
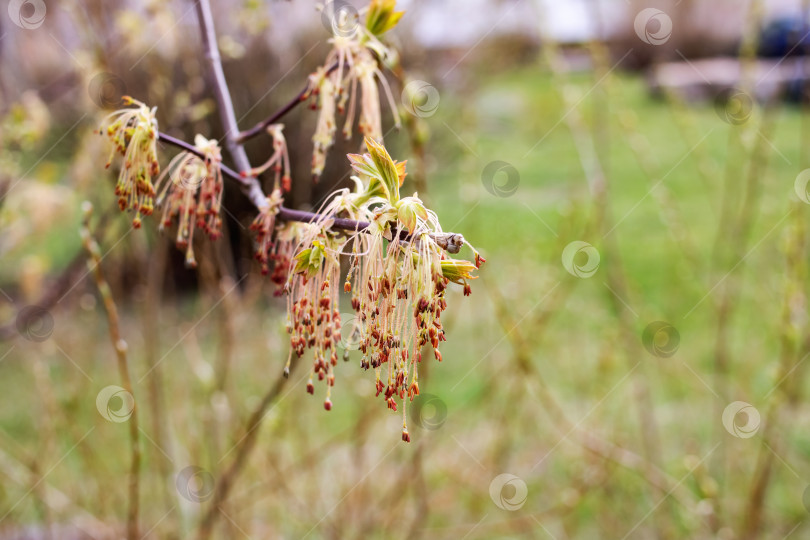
399 264
324 136
190 189
314 310
263 226
353 61
279 161
397 278
191 192
133 133
287 237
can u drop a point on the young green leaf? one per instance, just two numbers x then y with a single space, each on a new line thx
408 209
457 270
381 16
386 168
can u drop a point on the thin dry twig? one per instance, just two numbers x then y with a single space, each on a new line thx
120 346
598 183
162 450
243 449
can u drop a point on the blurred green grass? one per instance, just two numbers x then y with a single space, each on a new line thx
310 463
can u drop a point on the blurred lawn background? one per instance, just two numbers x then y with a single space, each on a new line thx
545 375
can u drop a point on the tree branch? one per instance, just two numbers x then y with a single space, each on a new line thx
250 184
259 128
227 171
289 214
285 214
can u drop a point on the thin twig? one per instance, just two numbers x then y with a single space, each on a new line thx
260 128
120 346
168 139
18 472
655 476
60 286
731 241
251 185
243 450
251 188
593 165
301 97
162 451
284 213
791 327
